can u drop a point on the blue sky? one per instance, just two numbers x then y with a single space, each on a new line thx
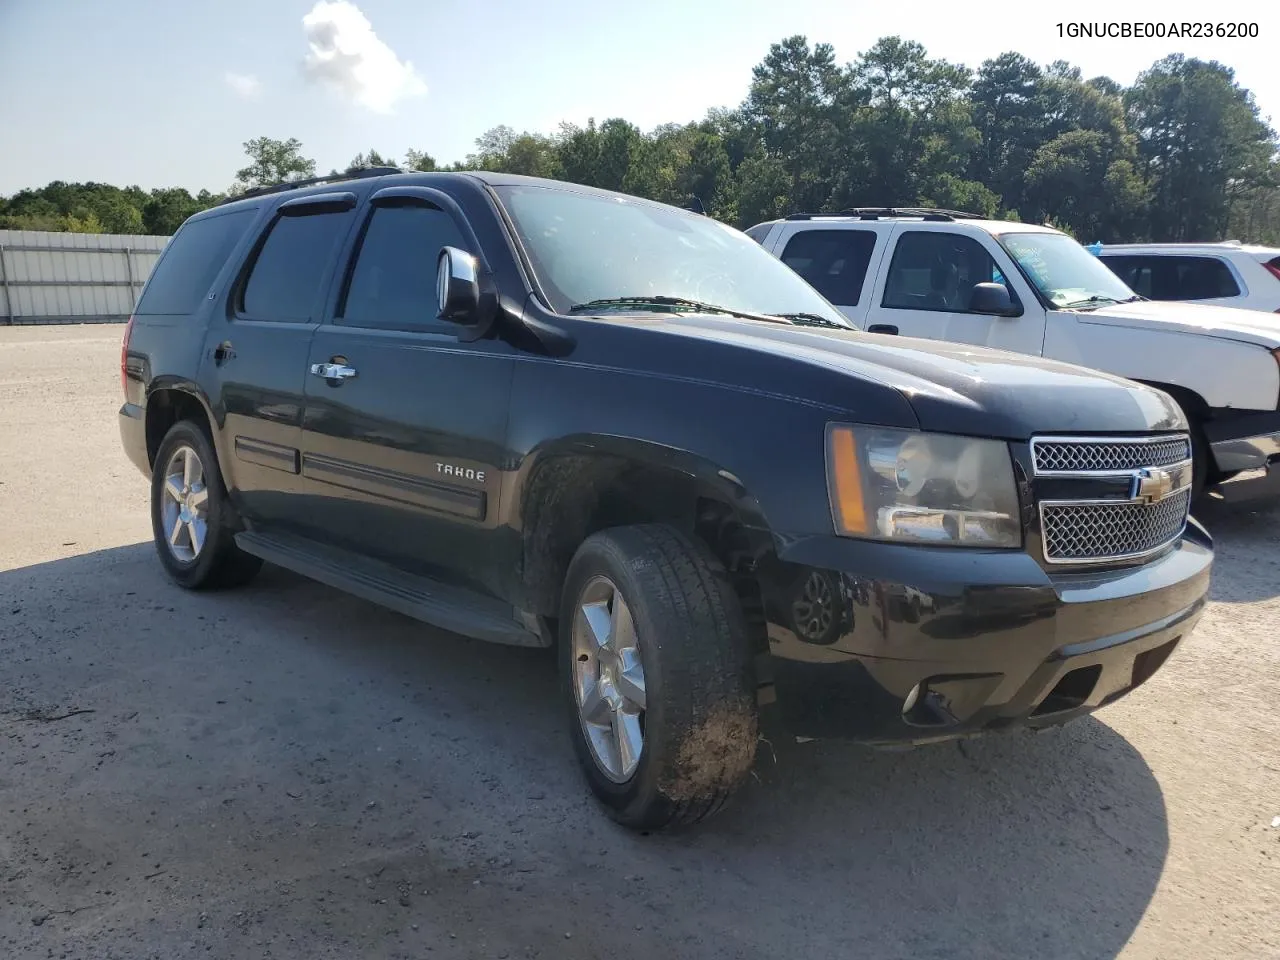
163 93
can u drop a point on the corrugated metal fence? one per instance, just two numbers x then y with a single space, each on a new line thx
72 277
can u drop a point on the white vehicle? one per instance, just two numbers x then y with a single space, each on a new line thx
1223 274
944 275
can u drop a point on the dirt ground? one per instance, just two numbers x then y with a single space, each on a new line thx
287 772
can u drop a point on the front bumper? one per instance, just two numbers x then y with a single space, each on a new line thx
890 644
1244 442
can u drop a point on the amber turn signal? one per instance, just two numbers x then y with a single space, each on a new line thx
845 479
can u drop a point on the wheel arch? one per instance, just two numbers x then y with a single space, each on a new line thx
575 487
170 399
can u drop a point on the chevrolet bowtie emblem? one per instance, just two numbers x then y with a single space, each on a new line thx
1152 484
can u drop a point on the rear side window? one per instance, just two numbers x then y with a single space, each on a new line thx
285 280
191 261
834 262
1175 278
394 280
759 232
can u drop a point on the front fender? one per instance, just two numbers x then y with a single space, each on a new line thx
1225 373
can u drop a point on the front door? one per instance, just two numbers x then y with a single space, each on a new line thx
404 427
255 357
925 291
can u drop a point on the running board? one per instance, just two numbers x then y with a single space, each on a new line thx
456 609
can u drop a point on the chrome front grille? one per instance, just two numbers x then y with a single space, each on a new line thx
1102 525
1111 530
1100 455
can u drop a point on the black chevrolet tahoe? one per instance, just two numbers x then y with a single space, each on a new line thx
543 414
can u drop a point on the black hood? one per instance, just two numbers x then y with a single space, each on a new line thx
955 387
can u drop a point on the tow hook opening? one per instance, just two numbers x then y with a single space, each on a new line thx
1073 690
945 701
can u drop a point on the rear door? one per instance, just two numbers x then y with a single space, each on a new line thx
256 349
837 262
925 282
401 457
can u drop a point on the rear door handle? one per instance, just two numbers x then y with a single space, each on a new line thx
333 371
223 351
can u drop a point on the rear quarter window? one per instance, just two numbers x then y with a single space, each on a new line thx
185 272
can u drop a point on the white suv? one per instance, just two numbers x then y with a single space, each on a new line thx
1226 274
946 275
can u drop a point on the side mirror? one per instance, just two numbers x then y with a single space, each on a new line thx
458 287
992 299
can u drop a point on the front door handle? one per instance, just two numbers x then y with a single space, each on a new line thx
883 328
333 371
223 351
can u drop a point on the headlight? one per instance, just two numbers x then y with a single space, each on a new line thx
913 487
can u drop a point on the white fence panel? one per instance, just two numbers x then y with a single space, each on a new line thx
72 277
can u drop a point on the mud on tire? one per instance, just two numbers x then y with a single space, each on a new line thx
700 718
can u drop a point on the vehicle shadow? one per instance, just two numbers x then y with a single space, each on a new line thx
1246 565
284 770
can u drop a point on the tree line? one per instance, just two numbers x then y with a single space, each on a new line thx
1183 154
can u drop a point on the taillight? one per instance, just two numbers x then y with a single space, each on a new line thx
124 356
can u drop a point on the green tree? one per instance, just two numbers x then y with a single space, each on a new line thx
373 159
420 161
798 102
1077 181
1009 116
912 131
274 161
1202 145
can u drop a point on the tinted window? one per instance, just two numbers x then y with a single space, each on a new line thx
834 261
286 276
936 271
191 261
759 232
1174 278
394 281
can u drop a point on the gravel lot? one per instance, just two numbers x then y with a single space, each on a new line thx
286 772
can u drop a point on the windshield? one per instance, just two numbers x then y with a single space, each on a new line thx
590 247
1064 272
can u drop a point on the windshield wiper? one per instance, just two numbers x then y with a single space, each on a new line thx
1095 301
660 300
811 320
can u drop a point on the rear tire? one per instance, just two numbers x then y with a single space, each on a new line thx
192 519
649 597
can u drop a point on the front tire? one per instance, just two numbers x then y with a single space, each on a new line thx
192 519
658 677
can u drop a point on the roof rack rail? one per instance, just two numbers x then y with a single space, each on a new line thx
360 174
936 214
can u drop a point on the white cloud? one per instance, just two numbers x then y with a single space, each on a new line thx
346 54
244 84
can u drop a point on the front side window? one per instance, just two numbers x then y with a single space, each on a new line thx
191 261
933 270
394 280
834 261
588 247
1066 274
286 278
